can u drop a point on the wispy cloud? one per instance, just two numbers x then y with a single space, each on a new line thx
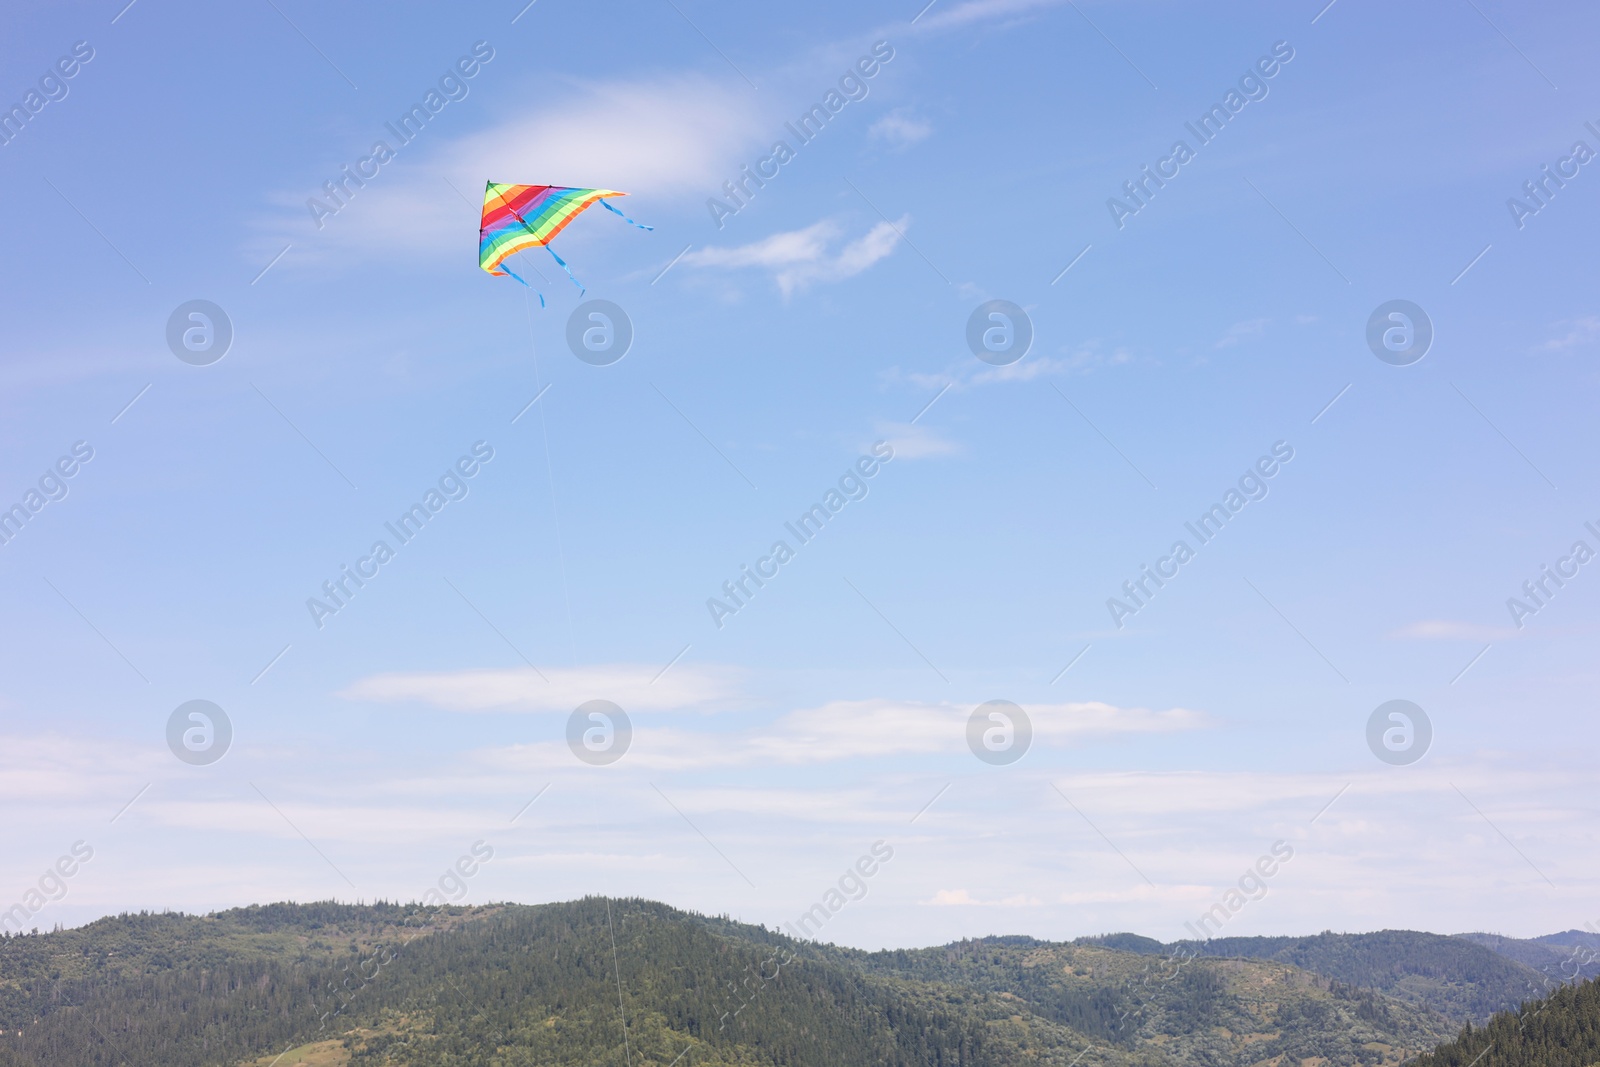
900 129
915 442
946 898
1241 331
1024 370
841 729
633 686
798 258
776 252
861 729
980 11
1447 630
1574 333
666 138
966 373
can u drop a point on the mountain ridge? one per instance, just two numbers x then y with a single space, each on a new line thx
503 985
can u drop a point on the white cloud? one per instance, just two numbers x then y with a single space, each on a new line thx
960 897
840 729
82 770
677 136
1575 333
856 729
1024 370
1447 630
1095 718
1241 331
1089 355
969 373
778 251
900 129
837 730
978 11
629 830
915 442
797 258
633 686
672 137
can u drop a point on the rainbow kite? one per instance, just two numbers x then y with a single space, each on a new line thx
516 217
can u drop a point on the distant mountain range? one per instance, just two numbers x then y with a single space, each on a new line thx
1465 977
639 984
1565 956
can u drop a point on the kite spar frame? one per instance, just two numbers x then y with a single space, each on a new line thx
545 244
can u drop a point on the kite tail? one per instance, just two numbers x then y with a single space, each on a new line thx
566 268
504 269
623 217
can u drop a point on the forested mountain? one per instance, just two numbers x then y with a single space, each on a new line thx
1560 957
1586 938
1184 1008
511 987
1462 979
1562 1030
38 973
639 984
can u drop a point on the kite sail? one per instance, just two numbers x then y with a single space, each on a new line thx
516 217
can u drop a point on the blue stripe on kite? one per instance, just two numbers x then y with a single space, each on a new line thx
566 268
624 218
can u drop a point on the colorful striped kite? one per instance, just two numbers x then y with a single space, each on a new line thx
516 217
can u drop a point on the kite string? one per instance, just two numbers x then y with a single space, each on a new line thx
550 474
508 271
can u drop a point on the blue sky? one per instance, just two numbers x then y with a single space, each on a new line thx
770 352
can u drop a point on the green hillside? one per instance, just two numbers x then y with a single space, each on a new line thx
1459 978
507 987
39 973
1218 1012
1562 1030
1560 957
638 984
